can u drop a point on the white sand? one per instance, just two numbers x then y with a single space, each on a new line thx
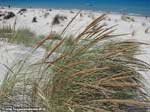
43 27
11 54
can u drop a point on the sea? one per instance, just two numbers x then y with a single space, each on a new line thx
134 7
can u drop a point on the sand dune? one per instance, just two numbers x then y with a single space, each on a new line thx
40 21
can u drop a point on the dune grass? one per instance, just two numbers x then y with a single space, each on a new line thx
80 74
21 36
6 32
25 37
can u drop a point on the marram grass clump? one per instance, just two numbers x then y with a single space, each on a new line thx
80 74
20 36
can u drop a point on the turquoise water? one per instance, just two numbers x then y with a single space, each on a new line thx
139 7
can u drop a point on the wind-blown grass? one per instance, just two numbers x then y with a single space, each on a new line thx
87 72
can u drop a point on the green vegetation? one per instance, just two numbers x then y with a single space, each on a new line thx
20 36
6 32
88 73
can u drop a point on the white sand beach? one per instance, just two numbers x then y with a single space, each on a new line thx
136 25
138 28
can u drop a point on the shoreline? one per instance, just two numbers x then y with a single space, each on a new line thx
87 10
